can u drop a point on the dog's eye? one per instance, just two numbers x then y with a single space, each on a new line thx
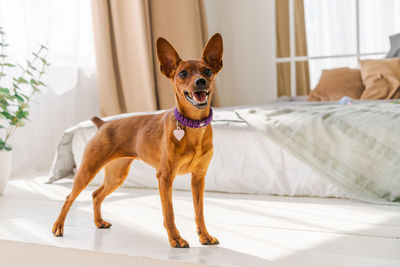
208 72
183 74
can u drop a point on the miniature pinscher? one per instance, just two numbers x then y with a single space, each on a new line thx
175 142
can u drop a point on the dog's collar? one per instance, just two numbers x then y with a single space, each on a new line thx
193 123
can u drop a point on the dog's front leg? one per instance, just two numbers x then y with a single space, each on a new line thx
198 195
165 188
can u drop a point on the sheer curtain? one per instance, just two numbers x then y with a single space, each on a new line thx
331 30
66 27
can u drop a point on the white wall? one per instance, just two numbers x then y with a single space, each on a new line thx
247 31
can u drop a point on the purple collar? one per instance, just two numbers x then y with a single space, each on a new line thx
193 123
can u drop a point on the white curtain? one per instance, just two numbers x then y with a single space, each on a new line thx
66 27
331 30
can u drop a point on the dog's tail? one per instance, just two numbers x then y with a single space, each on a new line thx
97 121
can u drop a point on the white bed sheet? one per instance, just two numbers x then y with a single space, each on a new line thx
244 161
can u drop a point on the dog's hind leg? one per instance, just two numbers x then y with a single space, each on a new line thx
89 168
116 173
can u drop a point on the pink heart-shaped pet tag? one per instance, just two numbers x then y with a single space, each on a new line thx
179 133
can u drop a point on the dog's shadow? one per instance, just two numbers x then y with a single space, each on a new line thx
217 255
143 243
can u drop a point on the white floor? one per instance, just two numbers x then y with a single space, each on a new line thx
252 230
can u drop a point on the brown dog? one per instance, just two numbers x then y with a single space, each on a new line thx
159 140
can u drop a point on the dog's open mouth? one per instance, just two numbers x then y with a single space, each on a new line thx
198 99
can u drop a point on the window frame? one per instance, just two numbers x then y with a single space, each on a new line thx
292 59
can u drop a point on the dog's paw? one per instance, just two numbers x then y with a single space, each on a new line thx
101 224
58 229
206 239
179 243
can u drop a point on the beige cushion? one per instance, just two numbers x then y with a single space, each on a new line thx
336 83
381 78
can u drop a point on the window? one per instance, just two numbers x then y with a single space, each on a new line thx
339 33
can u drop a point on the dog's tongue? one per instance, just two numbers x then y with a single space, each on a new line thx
200 96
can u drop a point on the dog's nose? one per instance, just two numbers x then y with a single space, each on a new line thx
200 83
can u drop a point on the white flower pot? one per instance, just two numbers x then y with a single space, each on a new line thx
5 168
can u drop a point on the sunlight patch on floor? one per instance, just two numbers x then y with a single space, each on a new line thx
260 230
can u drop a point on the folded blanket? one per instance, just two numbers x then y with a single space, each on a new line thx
355 147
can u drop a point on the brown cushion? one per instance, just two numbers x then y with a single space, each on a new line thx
336 83
381 78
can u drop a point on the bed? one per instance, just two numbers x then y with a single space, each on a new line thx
246 159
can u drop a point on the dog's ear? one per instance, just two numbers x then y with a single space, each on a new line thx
168 57
212 52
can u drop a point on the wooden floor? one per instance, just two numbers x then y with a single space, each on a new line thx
253 230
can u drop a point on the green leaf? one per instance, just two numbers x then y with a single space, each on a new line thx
7 65
25 96
41 83
15 85
4 95
3 105
1 126
14 120
20 80
21 123
4 146
33 82
44 61
22 114
6 115
21 67
27 63
43 47
19 98
2 74
4 90
35 88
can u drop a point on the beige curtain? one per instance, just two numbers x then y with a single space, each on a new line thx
125 34
283 48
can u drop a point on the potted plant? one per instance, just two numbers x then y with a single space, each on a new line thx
15 96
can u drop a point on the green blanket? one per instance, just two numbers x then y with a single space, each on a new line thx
356 147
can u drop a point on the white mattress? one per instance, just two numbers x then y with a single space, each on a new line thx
244 161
